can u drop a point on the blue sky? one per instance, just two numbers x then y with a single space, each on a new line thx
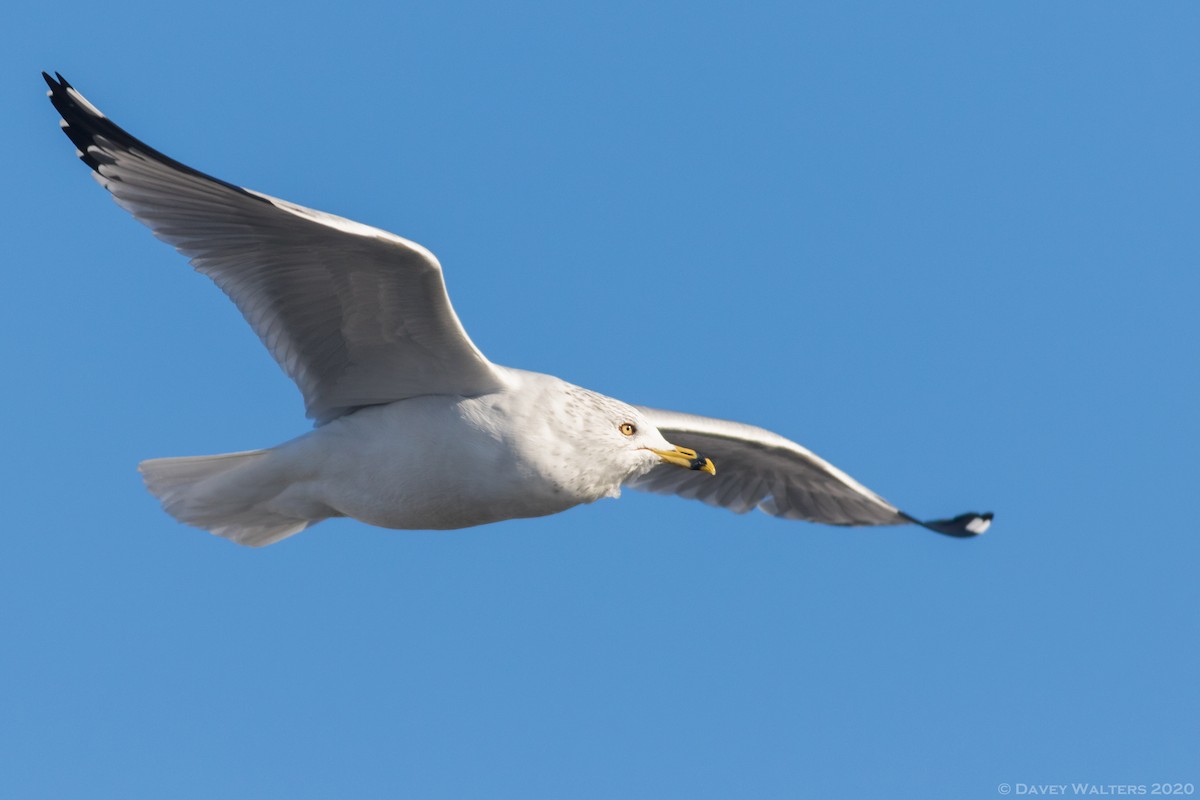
951 247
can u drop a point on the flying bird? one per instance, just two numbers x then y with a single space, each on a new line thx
414 427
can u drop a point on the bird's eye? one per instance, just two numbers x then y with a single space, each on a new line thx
628 428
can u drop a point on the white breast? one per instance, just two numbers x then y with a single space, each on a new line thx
443 462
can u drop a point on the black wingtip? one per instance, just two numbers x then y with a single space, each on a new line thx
84 124
56 83
964 526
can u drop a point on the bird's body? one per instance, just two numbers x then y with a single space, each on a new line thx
390 465
416 429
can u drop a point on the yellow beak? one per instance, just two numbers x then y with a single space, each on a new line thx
689 459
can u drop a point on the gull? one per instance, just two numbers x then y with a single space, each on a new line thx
413 427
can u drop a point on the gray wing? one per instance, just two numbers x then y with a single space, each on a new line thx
355 315
760 469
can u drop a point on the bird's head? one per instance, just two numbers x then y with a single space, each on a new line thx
626 439
590 444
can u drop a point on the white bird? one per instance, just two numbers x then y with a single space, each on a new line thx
415 428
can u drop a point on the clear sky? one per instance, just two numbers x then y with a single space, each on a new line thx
952 248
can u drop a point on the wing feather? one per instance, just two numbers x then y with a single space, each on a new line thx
760 469
355 315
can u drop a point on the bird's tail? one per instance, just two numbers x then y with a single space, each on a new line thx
226 494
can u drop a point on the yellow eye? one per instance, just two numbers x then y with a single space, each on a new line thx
628 428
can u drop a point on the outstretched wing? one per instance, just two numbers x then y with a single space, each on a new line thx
355 315
760 469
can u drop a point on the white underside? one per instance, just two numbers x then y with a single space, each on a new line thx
428 463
